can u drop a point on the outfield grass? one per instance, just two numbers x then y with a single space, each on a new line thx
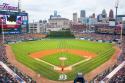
104 52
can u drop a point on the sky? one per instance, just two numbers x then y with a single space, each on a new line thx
42 9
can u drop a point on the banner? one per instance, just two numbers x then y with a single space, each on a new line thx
6 6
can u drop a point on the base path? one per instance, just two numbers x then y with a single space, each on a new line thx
40 79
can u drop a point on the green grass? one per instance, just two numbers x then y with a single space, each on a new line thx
71 58
104 52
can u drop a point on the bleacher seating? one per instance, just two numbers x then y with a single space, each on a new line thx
119 77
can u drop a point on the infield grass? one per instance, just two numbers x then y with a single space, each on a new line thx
71 58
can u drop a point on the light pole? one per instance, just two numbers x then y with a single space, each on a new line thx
116 6
116 15
19 5
2 31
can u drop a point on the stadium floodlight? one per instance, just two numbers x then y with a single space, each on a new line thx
116 6
19 5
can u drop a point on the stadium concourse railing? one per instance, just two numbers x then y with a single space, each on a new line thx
110 75
14 75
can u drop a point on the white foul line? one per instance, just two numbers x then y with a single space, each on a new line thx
45 62
79 62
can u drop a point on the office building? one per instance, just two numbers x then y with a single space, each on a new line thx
75 18
38 27
111 14
82 14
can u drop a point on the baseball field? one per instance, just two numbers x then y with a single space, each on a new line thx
52 57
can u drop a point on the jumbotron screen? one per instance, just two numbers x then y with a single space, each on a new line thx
13 22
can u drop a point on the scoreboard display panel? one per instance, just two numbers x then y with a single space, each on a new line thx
13 22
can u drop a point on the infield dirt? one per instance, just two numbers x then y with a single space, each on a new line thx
43 53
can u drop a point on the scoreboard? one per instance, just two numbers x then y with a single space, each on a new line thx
13 22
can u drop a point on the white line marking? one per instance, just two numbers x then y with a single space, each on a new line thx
79 62
45 62
55 67
58 68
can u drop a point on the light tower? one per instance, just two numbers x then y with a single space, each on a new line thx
19 5
116 6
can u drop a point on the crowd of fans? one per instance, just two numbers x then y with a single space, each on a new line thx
122 57
94 36
25 77
104 74
119 77
5 77
3 57
22 37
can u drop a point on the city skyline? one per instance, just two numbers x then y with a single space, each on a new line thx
43 9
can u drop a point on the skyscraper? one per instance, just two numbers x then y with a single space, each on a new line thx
82 14
75 18
55 13
93 15
99 18
104 14
111 14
